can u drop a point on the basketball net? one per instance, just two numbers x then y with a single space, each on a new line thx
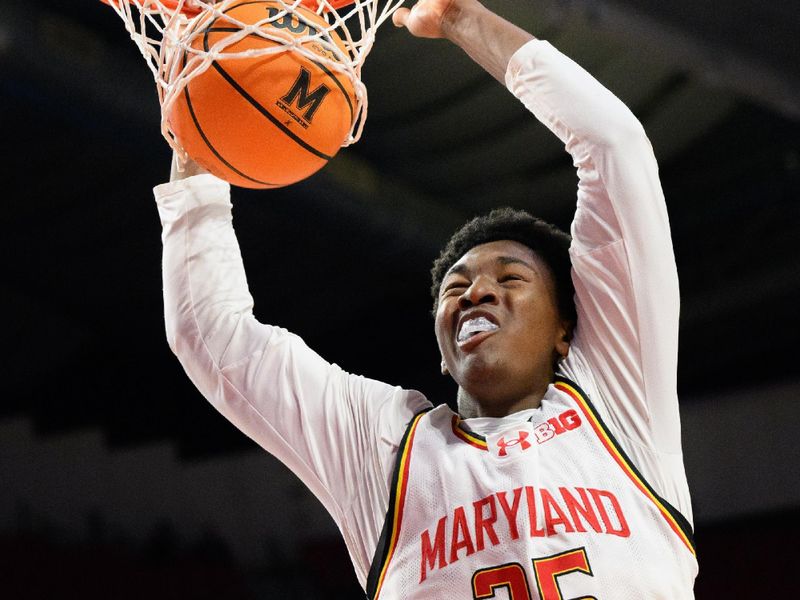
166 33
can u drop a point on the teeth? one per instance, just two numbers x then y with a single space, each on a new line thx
473 326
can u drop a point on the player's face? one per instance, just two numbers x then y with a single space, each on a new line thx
498 327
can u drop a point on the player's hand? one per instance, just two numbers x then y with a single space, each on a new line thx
183 169
425 19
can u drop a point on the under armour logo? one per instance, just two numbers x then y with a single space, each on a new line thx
524 444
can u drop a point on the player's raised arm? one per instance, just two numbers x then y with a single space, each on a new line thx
624 269
334 430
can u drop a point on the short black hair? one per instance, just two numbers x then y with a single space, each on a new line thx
549 242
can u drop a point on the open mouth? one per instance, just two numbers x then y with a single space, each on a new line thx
473 327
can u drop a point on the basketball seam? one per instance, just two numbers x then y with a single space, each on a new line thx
339 85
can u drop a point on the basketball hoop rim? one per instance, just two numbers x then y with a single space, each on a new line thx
189 10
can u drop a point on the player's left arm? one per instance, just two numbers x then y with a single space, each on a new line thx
624 268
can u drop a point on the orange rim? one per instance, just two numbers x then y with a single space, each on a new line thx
190 11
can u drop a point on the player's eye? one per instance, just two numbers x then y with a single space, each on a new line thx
510 277
454 287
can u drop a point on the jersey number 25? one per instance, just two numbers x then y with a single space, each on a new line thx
547 570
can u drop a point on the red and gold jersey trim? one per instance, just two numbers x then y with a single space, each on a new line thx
674 519
394 515
473 439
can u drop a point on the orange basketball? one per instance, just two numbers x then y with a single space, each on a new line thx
264 121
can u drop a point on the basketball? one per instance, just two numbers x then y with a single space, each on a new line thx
263 121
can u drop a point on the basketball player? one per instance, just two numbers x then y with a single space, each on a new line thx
562 474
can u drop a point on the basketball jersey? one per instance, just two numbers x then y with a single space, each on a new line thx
549 509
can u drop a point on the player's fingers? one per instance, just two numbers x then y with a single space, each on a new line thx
400 17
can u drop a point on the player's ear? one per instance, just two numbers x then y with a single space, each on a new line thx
564 338
444 368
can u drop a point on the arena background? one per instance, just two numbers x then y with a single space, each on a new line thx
118 480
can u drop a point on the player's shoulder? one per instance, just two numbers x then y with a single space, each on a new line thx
397 410
441 416
431 418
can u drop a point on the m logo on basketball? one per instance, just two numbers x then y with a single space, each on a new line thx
300 98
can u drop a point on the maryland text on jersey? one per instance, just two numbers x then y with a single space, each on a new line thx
470 528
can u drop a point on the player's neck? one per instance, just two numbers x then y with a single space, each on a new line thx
470 405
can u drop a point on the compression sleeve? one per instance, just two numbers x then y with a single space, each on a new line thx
334 430
626 340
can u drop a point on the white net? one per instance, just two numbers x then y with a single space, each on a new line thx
172 37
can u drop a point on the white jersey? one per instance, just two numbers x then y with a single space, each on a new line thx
550 508
340 432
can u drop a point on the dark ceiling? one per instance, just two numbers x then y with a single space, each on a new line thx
342 258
